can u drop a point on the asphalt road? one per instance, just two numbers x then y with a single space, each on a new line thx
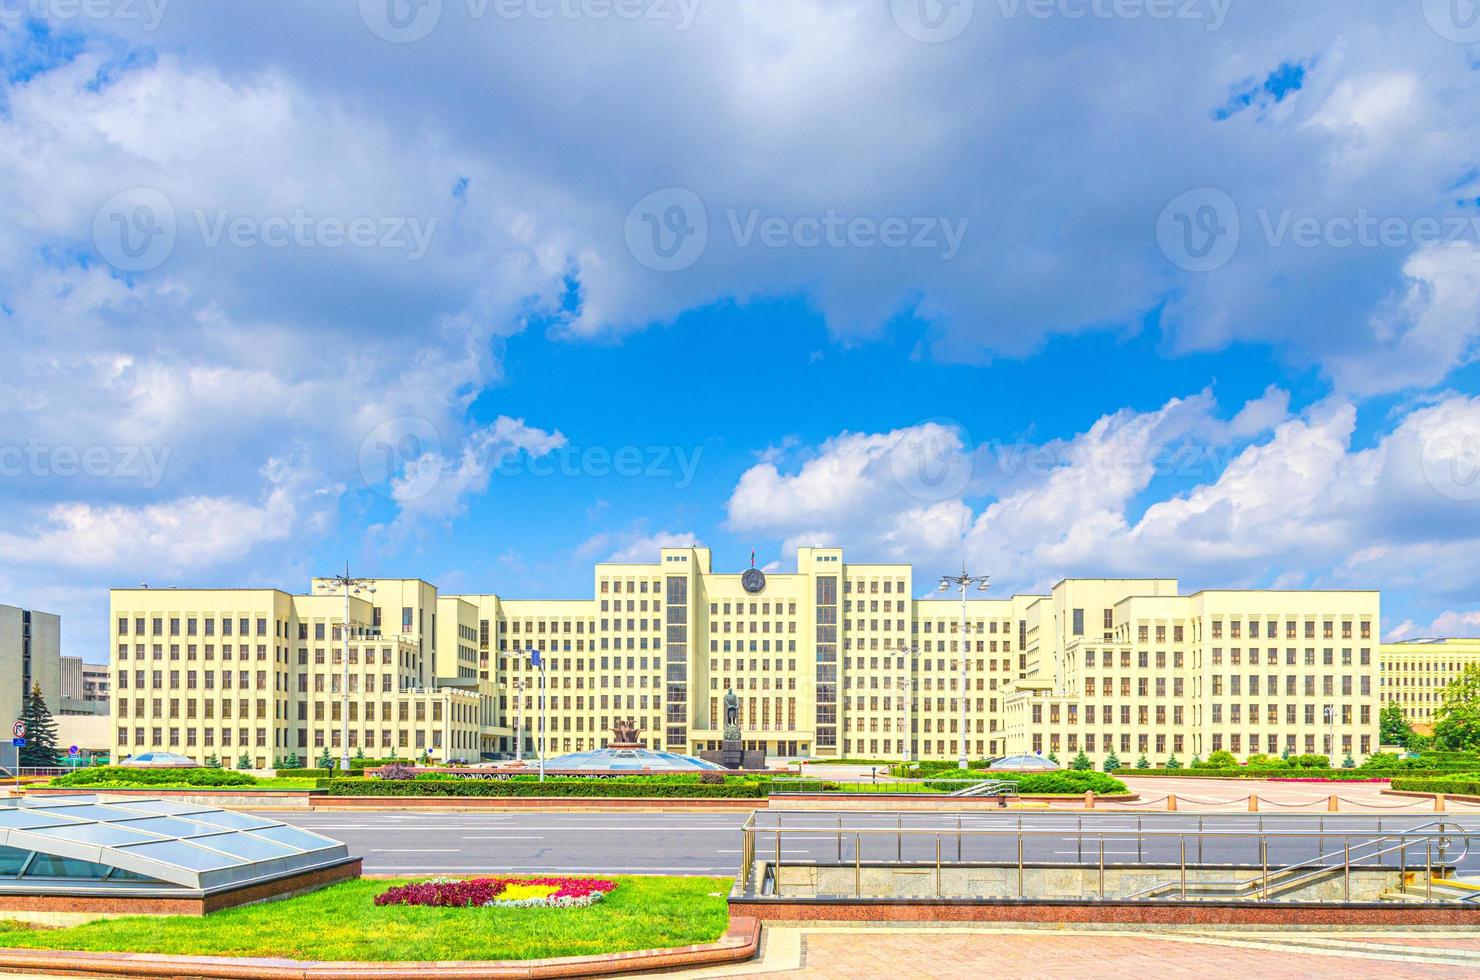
709 843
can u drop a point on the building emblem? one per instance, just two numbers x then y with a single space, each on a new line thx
753 580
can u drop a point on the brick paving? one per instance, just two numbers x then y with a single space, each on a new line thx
852 954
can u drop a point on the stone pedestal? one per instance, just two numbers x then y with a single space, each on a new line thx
732 754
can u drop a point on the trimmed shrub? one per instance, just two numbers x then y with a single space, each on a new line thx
638 786
1464 784
1067 782
1221 759
305 773
128 776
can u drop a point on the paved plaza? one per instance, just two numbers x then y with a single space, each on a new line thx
850 953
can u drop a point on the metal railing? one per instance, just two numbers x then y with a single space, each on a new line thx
793 785
1360 850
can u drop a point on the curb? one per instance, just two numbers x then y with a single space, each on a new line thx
738 944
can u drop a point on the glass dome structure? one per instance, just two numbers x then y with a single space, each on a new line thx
160 760
628 760
94 844
1024 763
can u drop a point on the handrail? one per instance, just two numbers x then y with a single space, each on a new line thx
1373 846
1264 877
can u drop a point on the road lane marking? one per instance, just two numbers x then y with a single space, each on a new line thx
503 837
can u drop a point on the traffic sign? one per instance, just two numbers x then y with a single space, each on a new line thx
19 743
19 729
73 751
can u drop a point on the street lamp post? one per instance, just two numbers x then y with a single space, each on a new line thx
907 686
519 684
963 582
347 585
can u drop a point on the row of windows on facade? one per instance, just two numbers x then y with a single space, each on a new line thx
1235 743
402 710
1145 713
210 737
207 626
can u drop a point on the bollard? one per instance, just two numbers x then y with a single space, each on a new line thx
1253 803
1438 802
1171 802
1089 799
1331 804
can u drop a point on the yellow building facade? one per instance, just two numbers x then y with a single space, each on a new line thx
1415 673
830 660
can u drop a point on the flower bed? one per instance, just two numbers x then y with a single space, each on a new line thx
499 892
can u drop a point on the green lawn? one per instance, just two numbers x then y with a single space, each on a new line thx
342 923
283 783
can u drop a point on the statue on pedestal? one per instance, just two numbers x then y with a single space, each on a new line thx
732 716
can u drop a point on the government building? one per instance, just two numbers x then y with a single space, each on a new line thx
832 660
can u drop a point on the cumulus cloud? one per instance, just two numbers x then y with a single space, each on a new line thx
1291 502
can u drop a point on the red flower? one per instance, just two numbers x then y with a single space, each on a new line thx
481 891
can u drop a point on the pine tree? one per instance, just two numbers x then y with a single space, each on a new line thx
1348 762
291 762
360 753
1112 761
40 749
326 761
212 762
1174 763
1081 763
244 761
1143 762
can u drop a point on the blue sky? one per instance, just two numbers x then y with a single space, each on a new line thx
485 293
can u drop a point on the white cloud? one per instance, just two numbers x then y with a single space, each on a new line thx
1295 505
634 546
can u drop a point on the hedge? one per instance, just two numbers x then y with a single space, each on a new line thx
1284 772
1466 784
555 786
102 775
1067 781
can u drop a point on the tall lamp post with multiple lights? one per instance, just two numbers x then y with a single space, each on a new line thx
963 582
346 584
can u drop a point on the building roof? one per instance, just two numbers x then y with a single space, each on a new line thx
94 842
